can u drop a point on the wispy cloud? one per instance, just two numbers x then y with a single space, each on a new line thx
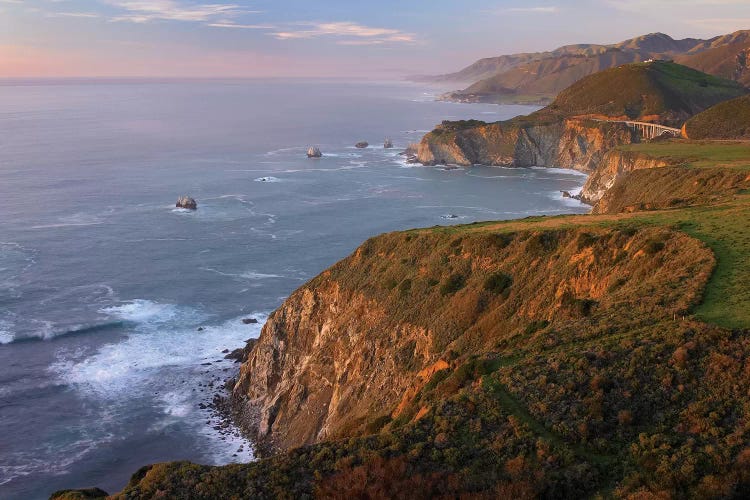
534 10
242 26
139 11
90 15
349 32
640 5
721 24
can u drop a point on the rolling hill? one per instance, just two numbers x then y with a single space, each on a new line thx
662 92
727 120
538 77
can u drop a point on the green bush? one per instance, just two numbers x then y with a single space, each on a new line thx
498 283
653 247
454 283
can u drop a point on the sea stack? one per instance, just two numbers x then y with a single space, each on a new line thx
388 144
186 202
362 145
314 152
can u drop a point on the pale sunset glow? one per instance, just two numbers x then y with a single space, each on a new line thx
296 38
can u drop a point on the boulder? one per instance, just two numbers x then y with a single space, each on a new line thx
186 202
314 152
362 145
240 355
249 321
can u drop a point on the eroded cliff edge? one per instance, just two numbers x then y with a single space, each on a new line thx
578 144
347 353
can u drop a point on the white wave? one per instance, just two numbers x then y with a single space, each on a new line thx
78 219
47 460
167 363
144 311
568 171
6 332
286 150
165 337
250 275
255 276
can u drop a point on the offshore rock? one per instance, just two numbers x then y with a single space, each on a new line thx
314 152
187 203
362 145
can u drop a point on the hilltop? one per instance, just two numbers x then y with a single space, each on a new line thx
662 92
727 120
538 77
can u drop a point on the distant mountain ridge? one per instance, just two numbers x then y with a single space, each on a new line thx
540 76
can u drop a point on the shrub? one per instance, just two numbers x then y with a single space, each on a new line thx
585 240
501 240
498 283
653 247
377 423
535 326
454 283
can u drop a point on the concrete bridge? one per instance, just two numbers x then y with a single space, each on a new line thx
647 130
652 130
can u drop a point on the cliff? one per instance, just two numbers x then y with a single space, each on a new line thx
671 187
614 164
573 143
351 350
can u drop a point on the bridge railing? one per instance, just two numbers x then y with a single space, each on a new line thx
649 130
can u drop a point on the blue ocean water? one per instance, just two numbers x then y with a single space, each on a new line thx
104 284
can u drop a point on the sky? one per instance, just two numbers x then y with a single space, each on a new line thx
323 38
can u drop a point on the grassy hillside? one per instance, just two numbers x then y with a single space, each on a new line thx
727 120
727 61
547 77
652 45
540 76
665 90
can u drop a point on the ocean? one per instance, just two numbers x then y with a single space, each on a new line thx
116 307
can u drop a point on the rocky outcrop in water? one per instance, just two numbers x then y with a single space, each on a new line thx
362 145
314 152
186 202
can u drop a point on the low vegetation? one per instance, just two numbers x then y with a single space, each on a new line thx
727 120
665 90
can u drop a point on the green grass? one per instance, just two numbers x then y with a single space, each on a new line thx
726 230
646 89
697 154
728 120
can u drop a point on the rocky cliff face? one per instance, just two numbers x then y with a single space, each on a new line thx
670 187
572 143
319 370
613 166
351 350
